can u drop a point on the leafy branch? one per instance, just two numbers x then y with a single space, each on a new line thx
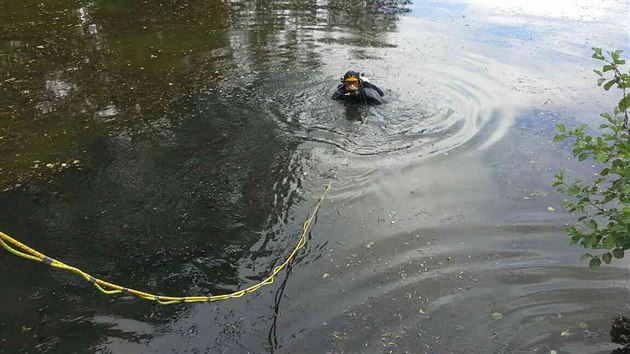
603 204
622 80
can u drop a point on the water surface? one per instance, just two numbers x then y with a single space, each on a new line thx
177 147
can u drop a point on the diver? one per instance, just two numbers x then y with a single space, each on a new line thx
357 88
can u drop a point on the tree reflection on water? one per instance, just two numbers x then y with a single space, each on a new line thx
179 174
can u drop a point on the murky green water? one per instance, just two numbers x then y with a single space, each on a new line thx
197 135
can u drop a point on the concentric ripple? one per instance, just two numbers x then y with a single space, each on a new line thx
430 113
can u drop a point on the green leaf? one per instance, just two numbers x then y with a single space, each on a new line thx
620 120
600 81
598 72
586 256
609 242
607 257
592 224
618 253
601 157
609 84
608 198
598 53
615 57
608 68
559 138
561 127
594 263
580 129
624 103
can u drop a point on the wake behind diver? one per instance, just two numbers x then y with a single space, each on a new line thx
356 88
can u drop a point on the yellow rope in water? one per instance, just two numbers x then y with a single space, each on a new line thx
110 288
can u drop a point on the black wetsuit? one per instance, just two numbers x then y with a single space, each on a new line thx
368 93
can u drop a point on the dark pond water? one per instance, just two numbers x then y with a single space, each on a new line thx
177 147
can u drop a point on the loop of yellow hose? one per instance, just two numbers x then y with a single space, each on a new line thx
110 288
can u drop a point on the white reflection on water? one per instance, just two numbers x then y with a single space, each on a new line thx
545 45
565 9
59 88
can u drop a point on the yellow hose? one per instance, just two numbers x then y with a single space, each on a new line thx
110 288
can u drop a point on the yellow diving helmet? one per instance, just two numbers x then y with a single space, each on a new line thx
352 82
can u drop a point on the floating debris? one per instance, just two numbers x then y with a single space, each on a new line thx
107 112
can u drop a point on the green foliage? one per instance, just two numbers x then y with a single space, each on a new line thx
603 205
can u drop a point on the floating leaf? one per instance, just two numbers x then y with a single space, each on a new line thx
497 316
565 333
583 325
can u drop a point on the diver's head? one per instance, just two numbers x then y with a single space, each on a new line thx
352 82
